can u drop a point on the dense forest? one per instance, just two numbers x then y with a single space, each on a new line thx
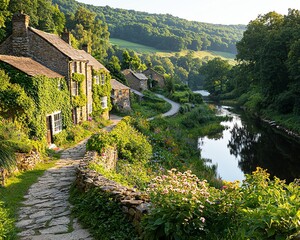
162 31
266 79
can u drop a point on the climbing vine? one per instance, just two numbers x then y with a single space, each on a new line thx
80 99
101 88
48 94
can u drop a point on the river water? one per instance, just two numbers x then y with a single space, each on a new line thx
247 143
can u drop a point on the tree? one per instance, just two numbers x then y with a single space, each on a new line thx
216 75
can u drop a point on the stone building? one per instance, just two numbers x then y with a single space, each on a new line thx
136 81
155 78
58 55
120 95
32 68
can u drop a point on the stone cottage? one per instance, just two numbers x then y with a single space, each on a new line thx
32 68
58 55
120 95
156 79
136 81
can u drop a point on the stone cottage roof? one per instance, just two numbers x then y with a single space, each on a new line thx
117 85
92 61
140 76
29 66
59 44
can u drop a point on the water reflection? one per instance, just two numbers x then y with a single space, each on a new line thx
246 144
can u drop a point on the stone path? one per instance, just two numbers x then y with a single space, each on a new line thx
46 212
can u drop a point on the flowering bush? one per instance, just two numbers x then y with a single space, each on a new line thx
260 208
177 205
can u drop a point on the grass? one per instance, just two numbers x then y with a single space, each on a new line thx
139 48
16 187
150 106
143 49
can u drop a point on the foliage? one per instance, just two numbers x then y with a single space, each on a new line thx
43 15
80 99
268 55
46 96
101 90
13 139
177 206
216 73
149 106
165 31
102 215
14 102
132 146
6 225
71 135
260 209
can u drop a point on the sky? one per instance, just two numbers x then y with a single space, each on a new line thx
209 11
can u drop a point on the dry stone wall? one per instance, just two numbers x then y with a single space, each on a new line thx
25 162
134 203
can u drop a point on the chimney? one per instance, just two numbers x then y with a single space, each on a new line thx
66 36
86 47
20 39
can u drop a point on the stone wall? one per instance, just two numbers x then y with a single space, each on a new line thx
25 162
134 203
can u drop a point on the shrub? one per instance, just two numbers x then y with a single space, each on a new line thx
177 206
260 209
103 216
132 145
6 224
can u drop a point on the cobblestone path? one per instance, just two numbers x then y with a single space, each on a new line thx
46 212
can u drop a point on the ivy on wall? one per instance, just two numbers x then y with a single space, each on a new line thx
101 90
79 100
48 94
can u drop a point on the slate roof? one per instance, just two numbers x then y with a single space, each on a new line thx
117 85
140 76
59 44
29 66
91 60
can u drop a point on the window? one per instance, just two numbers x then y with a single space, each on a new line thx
104 102
89 82
57 123
120 93
97 79
74 88
90 108
80 67
102 79
73 67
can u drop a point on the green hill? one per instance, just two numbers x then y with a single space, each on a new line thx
162 31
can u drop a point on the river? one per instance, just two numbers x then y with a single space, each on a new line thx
247 143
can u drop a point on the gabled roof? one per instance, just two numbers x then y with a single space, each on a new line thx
117 85
29 66
59 44
91 60
140 76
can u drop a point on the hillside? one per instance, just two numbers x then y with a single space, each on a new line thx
162 31
142 49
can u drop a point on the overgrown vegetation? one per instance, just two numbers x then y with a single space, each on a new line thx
186 208
102 215
150 105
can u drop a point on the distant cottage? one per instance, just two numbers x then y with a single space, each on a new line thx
120 95
35 52
136 81
155 79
